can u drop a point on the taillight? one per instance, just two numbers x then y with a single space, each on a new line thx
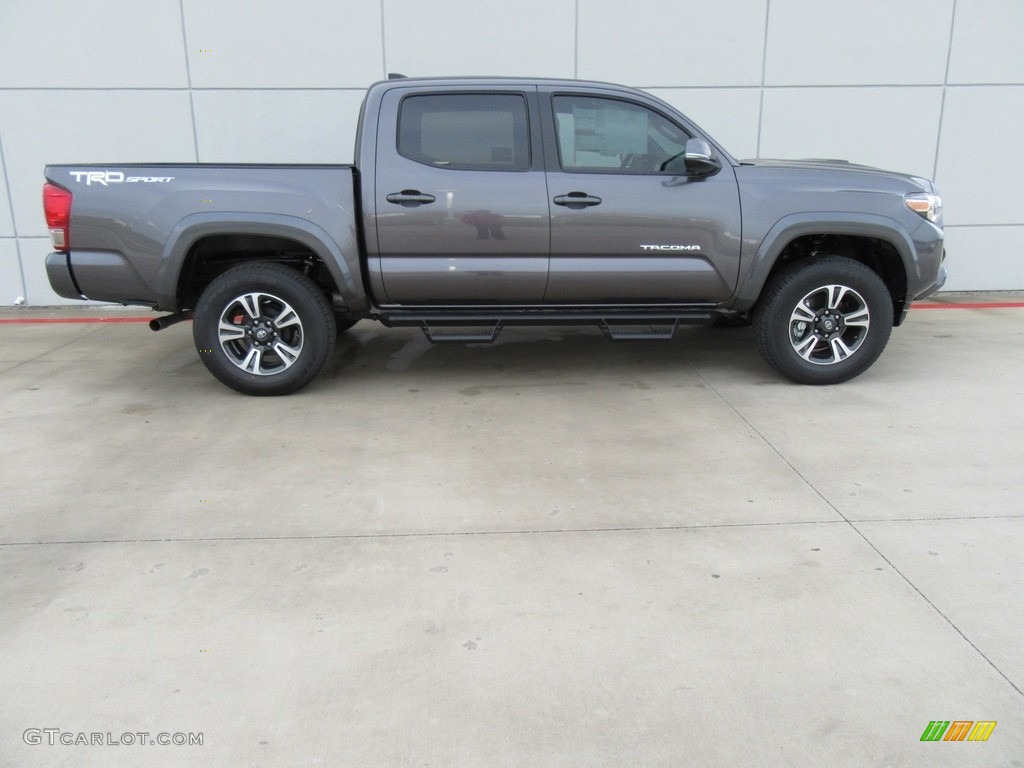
57 205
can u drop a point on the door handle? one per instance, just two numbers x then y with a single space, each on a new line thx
577 200
410 198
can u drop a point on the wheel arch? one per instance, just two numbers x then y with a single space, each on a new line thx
879 243
244 238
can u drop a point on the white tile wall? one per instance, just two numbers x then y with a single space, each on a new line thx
6 222
858 42
987 42
277 126
105 44
10 272
41 127
274 44
892 128
265 81
730 115
981 257
658 43
980 154
34 251
480 37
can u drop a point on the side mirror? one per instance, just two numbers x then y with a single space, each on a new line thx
701 159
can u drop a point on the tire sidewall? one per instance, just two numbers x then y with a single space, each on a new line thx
318 328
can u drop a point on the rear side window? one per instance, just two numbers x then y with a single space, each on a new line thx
465 131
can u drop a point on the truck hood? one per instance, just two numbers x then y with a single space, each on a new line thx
831 165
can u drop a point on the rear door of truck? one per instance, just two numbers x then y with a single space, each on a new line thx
460 196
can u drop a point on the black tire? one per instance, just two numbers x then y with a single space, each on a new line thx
278 329
824 321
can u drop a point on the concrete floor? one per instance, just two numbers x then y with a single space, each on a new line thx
553 551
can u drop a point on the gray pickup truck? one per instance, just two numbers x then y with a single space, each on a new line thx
480 203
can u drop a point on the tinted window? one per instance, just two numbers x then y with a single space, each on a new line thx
465 131
614 136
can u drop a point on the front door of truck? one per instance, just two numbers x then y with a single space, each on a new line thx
460 198
627 225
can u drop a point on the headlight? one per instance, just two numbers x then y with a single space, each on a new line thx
929 206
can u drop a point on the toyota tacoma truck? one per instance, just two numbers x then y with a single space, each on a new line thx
475 204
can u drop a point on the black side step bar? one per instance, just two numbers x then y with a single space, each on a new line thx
484 327
483 337
622 334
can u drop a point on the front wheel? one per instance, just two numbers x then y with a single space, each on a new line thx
263 329
824 321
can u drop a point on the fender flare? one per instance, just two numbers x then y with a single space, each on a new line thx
797 225
194 227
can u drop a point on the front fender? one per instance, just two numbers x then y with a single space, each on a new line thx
797 225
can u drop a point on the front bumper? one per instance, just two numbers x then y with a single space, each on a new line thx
940 280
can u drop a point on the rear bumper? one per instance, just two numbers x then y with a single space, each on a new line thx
62 280
97 275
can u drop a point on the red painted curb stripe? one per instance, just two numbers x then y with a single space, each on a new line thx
85 320
53 320
977 305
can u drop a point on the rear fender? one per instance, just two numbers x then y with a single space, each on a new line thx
193 228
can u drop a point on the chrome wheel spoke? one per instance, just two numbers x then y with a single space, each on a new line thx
286 318
806 347
836 293
859 317
802 313
287 354
839 350
228 332
252 361
251 304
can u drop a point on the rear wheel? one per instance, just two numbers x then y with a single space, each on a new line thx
824 321
264 329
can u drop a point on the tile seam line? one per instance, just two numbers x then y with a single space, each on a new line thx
945 91
852 525
183 88
363 89
822 86
14 224
383 40
764 70
188 76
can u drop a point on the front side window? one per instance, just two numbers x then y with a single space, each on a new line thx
612 136
465 131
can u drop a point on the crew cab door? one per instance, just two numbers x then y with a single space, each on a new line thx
461 209
623 230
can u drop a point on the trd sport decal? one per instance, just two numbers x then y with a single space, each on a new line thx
115 177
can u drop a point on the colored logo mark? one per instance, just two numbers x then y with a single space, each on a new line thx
958 730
